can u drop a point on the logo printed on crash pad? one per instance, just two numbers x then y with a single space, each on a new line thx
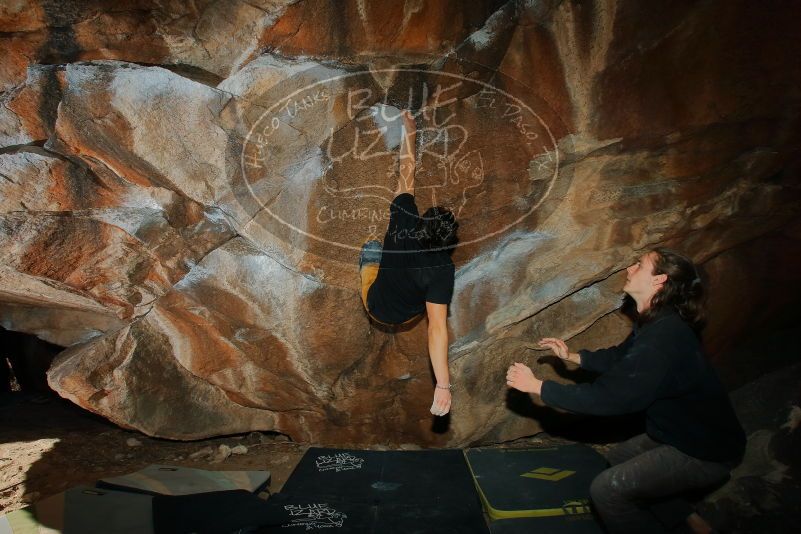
314 516
343 461
548 473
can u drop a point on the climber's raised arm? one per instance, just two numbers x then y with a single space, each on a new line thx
407 156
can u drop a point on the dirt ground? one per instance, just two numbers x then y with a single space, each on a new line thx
48 447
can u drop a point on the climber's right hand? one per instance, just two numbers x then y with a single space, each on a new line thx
442 401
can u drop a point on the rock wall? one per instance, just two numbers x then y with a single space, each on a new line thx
184 188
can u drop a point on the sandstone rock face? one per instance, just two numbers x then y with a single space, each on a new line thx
184 189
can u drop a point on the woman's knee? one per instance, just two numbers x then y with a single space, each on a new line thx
615 484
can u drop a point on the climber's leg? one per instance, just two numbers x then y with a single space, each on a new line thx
369 259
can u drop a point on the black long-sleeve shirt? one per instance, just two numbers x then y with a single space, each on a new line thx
659 369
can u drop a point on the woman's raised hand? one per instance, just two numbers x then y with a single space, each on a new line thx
520 377
557 346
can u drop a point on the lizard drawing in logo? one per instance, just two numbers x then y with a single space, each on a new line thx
448 173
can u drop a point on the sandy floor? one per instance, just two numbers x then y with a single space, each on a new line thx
47 448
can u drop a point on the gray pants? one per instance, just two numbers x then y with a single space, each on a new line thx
643 490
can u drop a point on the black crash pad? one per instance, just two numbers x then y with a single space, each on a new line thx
409 477
382 491
218 512
302 514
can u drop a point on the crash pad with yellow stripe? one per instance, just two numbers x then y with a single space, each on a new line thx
535 482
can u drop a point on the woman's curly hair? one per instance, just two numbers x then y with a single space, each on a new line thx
683 290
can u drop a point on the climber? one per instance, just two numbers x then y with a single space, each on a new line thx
693 438
413 274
